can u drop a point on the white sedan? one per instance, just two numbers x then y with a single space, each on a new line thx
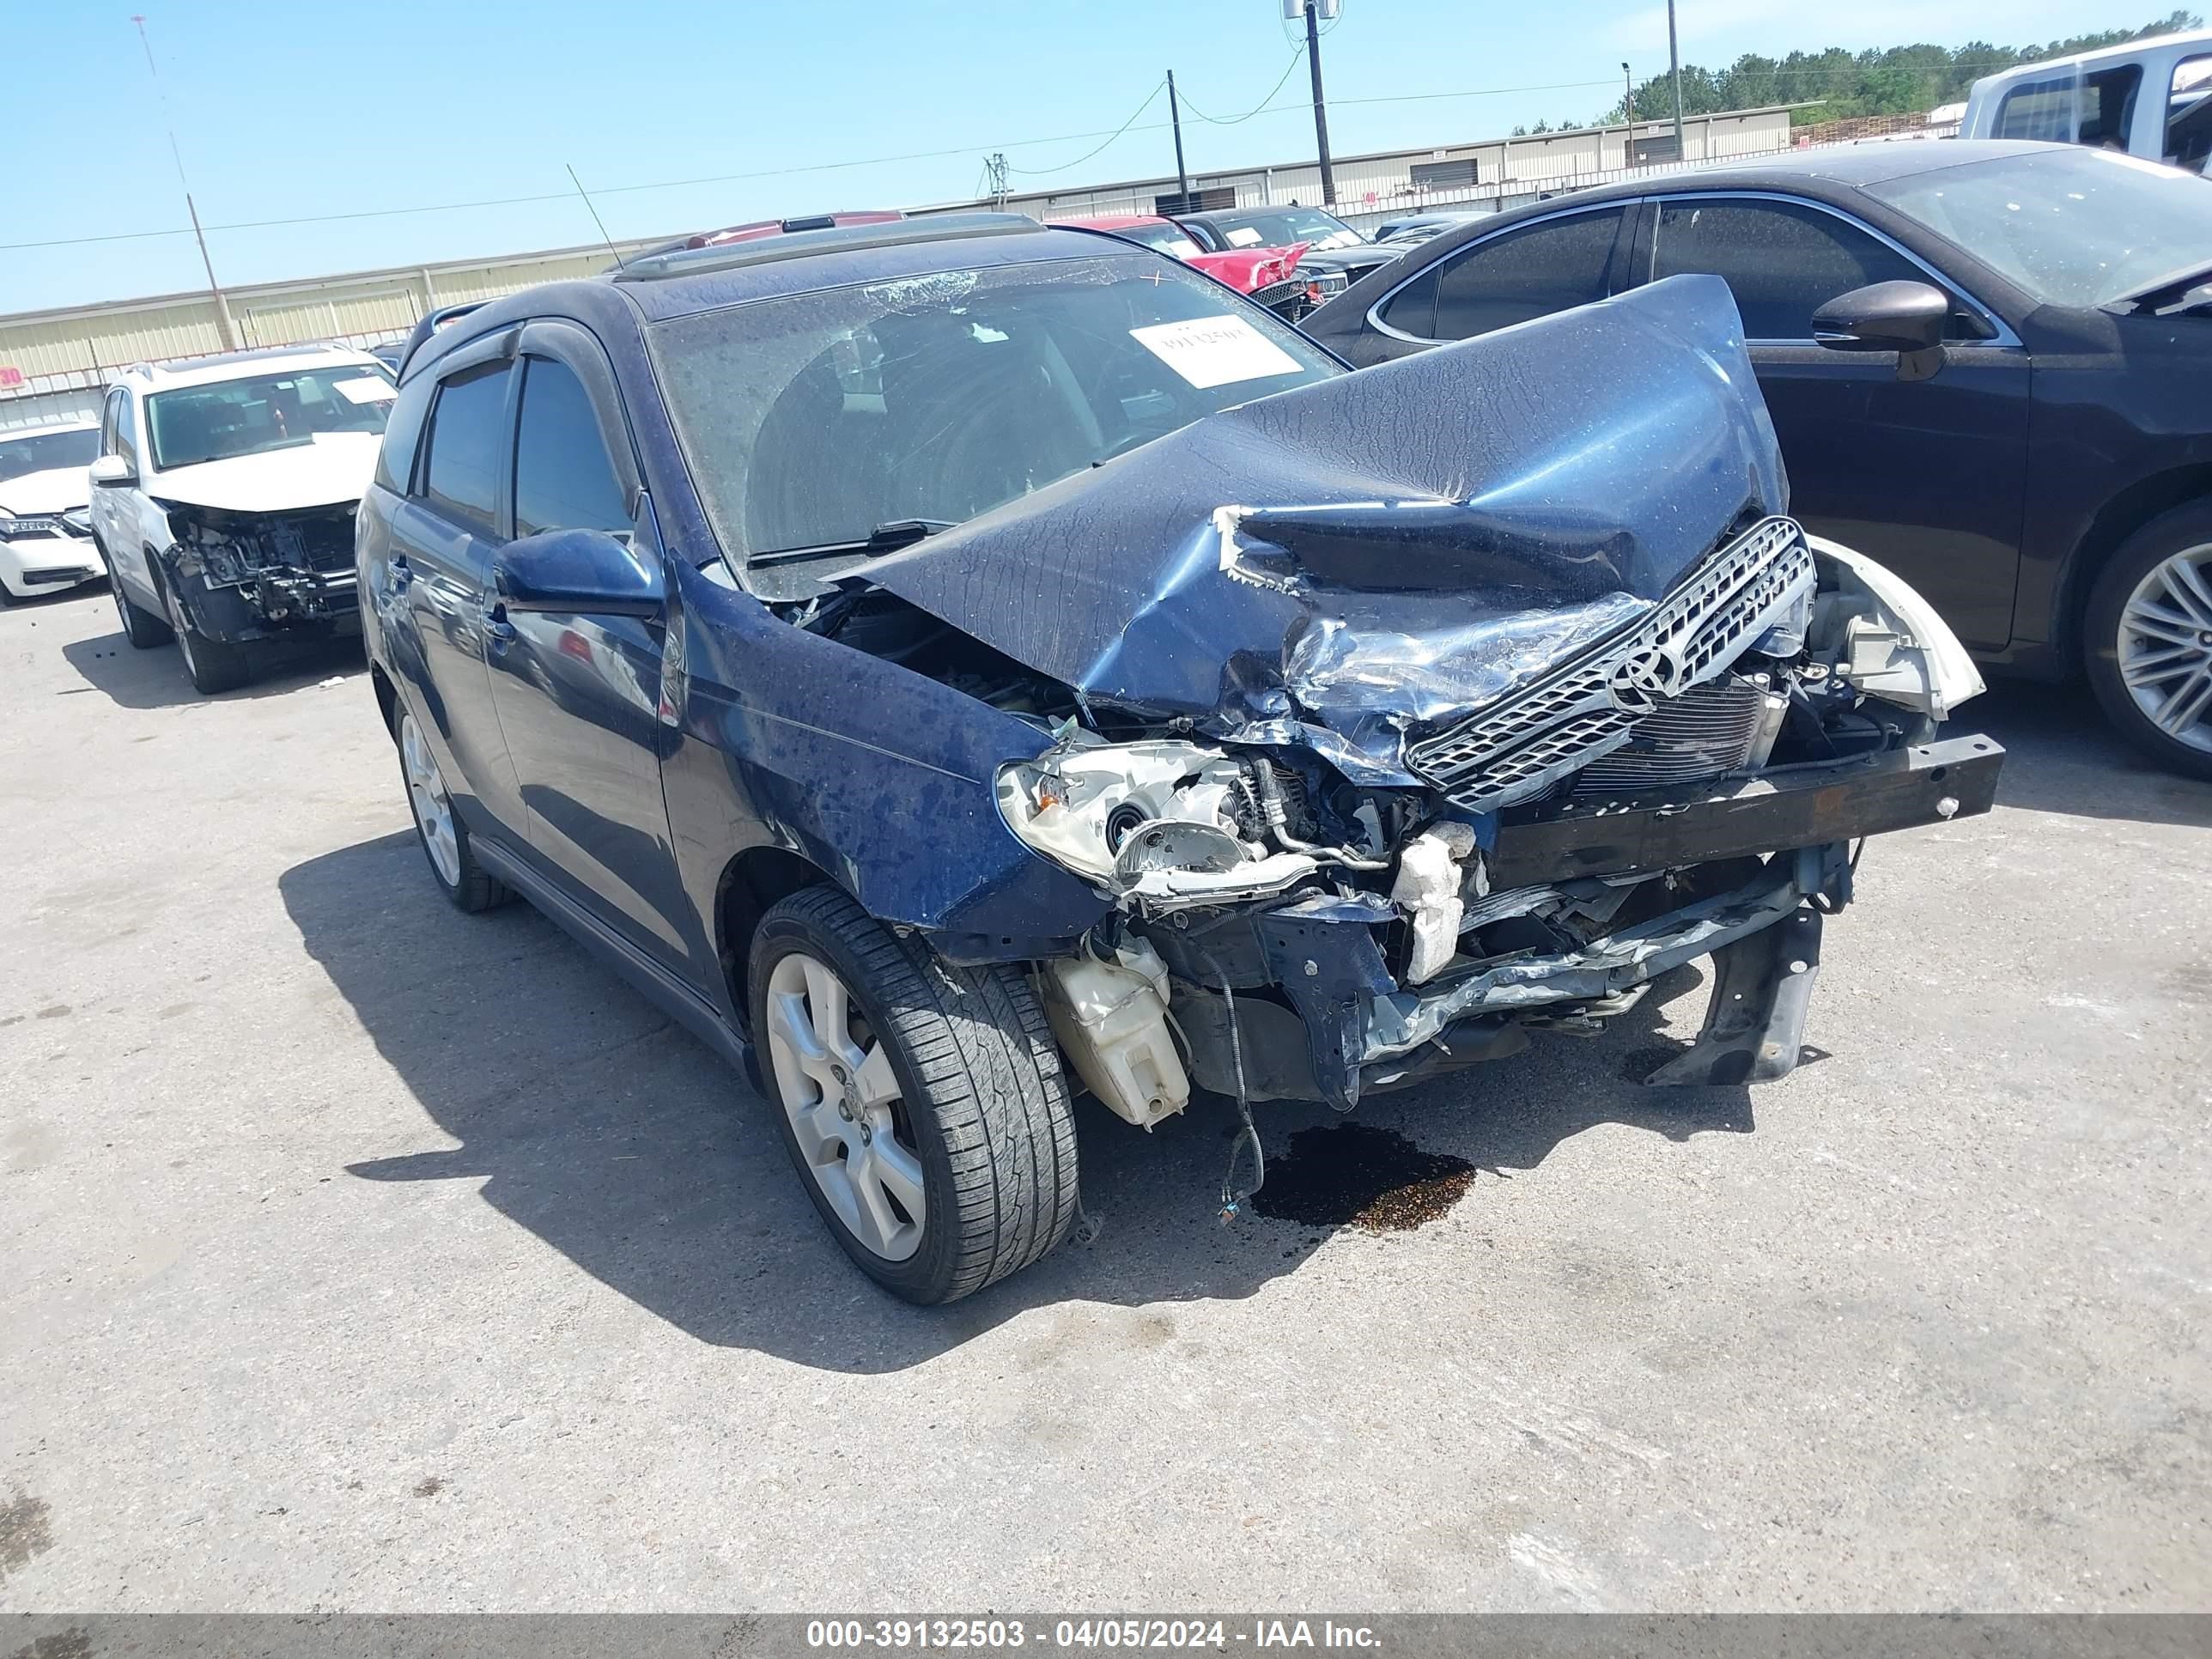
45 537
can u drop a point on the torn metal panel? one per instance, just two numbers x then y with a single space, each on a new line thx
1477 512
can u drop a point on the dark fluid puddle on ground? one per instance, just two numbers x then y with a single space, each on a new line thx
1353 1174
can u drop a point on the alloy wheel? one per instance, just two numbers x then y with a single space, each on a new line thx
433 807
836 1082
2165 646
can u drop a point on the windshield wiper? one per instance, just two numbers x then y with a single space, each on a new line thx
886 537
2178 291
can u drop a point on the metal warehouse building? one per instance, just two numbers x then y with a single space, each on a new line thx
52 363
1495 173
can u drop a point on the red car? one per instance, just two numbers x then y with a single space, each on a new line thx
1264 273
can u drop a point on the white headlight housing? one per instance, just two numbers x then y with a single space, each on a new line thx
1888 641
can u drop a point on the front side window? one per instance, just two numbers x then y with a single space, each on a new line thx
1782 260
253 416
2072 228
1550 266
468 427
126 428
807 421
47 451
563 479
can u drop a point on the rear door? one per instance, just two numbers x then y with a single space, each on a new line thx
1929 476
443 535
579 697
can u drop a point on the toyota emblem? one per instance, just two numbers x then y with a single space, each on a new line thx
1644 678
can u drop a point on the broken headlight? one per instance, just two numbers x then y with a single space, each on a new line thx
1882 639
1166 822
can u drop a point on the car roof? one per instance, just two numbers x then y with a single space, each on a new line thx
685 282
75 423
241 365
1225 215
1111 221
2127 49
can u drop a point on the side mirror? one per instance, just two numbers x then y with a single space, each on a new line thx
587 571
109 470
1884 317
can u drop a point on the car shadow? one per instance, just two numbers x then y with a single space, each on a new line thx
155 678
616 1138
2063 756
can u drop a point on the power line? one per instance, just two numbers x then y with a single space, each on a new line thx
1234 120
1038 172
833 167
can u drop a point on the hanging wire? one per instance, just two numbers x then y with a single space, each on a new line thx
1232 120
1037 172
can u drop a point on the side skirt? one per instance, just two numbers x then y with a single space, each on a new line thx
671 994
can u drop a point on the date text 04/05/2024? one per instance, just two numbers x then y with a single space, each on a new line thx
1085 1633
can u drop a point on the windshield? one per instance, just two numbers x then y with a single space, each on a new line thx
47 451
1168 239
2072 227
274 411
811 420
1280 227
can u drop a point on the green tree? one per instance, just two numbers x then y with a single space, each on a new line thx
1832 84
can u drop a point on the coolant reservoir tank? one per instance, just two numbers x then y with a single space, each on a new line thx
1111 1020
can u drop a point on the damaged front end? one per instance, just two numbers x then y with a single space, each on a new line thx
251 575
1507 686
1687 785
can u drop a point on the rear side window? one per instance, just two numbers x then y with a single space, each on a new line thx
1508 279
1782 261
2073 107
563 479
403 435
468 425
2189 113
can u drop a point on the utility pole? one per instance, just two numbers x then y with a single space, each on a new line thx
1674 67
224 327
995 169
1320 109
1628 103
1175 119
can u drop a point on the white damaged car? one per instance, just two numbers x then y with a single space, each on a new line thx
46 539
223 497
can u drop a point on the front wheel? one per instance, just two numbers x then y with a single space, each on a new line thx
923 1104
2149 646
214 665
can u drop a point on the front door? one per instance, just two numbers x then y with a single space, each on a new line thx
1929 476
579 696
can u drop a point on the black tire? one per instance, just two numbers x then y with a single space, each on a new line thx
469 887
982 1097
2163 539
141 627
214 665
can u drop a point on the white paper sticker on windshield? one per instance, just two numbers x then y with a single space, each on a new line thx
1215 350
366 390
1244 236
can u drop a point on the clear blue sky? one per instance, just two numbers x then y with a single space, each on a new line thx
315 107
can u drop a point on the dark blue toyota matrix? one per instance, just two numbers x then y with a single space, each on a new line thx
957 665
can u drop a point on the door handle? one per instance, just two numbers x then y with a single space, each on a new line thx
402 572
497 628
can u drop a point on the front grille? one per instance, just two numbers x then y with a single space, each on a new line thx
1518 747
1274 294
1709 730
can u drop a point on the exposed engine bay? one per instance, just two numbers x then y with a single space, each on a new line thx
247 575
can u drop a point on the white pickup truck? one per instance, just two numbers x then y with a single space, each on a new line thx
2150 97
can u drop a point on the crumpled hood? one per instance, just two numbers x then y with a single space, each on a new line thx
58 489
331 468
1342 563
